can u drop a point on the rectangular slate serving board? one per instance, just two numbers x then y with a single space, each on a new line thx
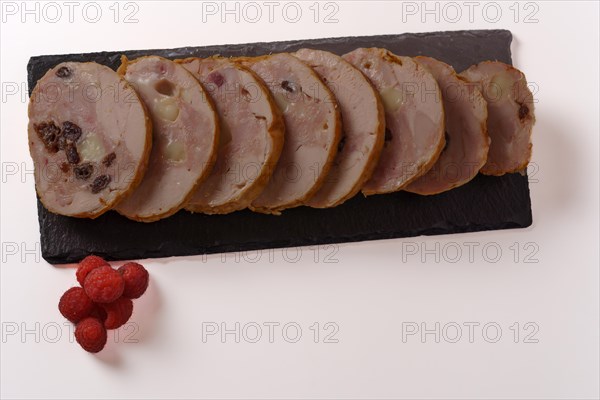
486 203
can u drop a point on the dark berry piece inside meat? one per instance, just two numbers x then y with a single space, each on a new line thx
72 154
523 111
62 142
288 86
63 72
84 171
49 133
108 160
71 131
216 78
100 183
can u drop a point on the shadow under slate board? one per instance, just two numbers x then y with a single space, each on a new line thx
486 203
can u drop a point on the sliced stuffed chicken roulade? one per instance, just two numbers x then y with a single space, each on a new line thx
414 117
312 131
89 137
467 141
185 137
251 139
363 127
510 115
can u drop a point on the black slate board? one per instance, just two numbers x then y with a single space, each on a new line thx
486 203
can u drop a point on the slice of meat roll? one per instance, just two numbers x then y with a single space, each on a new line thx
414 117
510 115
252 134
185 137
312 131
467 141
363 127
89 137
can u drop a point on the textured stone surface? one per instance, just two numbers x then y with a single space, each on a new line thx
486 203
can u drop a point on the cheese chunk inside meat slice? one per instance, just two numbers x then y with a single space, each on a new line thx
252 134
467 141
414 117
510 115
312 131
89 137
363 127
184 141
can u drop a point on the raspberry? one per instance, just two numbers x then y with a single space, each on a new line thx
87 265
117 313
104 285
91 335
98 312
75 305
136 279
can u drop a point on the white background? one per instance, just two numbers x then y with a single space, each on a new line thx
371 291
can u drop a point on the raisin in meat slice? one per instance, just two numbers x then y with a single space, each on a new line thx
108 159
523 111
288 86
71 131
216 78
100 183
84 171
72 154
61 142
49 133
63 72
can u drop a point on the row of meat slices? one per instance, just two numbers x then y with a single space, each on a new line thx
268 133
